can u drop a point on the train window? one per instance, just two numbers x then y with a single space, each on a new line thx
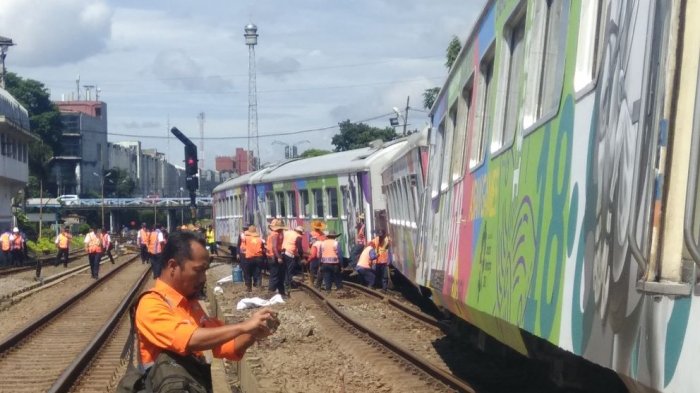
292 201
438 148
515 50
332 194
486 89
281 200
271 205
318 202
234 208
548 42
461 131
591 29
344 194
446 176
305 203
410 213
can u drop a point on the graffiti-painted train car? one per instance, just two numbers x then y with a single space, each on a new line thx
562 182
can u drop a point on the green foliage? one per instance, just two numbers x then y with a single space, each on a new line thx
42 246
118 184
357 135
83 228
313 153
429 96
453 49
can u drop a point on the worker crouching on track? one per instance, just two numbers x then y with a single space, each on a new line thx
170 321
366 265
317 236
93 246
254 254
330 253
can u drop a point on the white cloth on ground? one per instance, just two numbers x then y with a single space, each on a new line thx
258 302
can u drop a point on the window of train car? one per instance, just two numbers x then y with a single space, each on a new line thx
293 206
281 201
318 202
344 194
235 206
461 130
332 195
271 205
436 155
305 204
546 57
484 113
588 49
410 213
513 72
446 177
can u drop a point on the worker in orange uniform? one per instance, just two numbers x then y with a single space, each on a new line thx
93 246
17 245
241 245
170 321
382 242
107 244
254 253
142 241
63 245
273 244
366 264
6 248
292 253
331 256
360 240
317 236
155 248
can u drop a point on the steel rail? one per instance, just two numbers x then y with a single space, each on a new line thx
436 372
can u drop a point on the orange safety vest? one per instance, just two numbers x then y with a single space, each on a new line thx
329 251
360 238
144 236
153 243
63 241
382 250
5 241
289 242
94 244
274 241
17 243
106 239
254 246
365 261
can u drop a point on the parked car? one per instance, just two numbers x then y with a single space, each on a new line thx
67 199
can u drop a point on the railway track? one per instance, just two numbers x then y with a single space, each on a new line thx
50 353
402 332
44 260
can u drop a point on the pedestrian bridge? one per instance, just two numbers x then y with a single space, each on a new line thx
115 203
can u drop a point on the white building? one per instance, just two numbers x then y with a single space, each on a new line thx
14 154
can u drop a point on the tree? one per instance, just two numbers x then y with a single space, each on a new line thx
429 96
453 48
313 153
118 183
357 135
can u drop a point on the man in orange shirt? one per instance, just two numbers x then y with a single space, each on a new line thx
63 245
170 317
93 246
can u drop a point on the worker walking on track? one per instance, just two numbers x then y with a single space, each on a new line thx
241 246
107 244
254 254
317 236
6 248
211 241
17 242
366 265
142 241
93 246
331 255
155 247
63 245
173 329
382 242
292 253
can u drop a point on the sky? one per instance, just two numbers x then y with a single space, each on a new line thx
160 63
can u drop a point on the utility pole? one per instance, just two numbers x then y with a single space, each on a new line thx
251 39
405 116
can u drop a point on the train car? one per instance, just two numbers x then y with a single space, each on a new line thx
403 185
562 186
337 188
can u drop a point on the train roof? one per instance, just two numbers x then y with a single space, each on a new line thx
418 139
330 164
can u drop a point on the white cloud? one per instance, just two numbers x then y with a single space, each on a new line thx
50 33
